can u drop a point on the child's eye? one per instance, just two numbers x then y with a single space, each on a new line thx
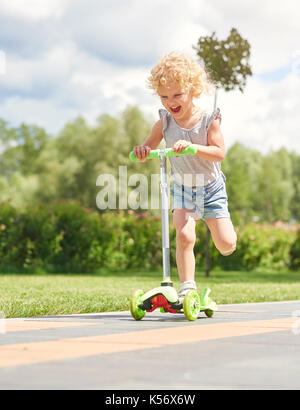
178 95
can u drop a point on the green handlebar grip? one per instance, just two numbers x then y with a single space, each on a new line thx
190 150
155 153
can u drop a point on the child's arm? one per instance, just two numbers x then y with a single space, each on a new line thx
214 151
152 142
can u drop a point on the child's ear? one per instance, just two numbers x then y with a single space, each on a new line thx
194 93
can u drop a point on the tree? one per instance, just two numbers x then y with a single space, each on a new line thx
241 166
275 187
23 145
295 203
82 152
227 63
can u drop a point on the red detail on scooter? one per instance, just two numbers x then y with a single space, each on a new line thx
160 301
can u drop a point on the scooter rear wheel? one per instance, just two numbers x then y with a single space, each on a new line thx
191 305
136 312
209 312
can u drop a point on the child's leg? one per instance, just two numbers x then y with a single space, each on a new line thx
223 235
185 222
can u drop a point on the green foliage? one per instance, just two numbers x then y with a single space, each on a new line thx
264 246
261 187
275 187
295 252
38 169
226 61
241 167
23 147
29 238
70 238
295 180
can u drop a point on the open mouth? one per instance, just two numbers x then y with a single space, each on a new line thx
176 109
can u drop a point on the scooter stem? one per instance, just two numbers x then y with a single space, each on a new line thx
165 219
163 154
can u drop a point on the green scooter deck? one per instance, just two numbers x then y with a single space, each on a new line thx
167 291
206 304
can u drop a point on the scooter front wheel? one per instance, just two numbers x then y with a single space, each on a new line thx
191 305
136 312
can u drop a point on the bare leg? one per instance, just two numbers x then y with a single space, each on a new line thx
223 235
185 223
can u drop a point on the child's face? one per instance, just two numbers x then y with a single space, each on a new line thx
176 99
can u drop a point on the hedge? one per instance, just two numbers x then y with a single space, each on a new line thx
69 238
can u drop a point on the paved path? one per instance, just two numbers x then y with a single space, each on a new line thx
249 346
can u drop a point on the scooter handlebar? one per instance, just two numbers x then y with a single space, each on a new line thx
155 153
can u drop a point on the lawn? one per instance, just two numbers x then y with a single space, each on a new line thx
39 295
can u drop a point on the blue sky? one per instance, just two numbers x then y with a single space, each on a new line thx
276 74
71 57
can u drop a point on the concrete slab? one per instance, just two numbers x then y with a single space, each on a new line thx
245 346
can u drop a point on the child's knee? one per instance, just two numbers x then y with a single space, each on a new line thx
228 247
228 252
185 238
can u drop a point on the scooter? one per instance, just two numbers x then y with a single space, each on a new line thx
165 297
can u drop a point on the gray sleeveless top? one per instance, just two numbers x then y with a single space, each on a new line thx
190 170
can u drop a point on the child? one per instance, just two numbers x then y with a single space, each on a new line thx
177 80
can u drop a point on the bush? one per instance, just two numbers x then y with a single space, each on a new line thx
7 218
69 238
295 252
29 239
264 246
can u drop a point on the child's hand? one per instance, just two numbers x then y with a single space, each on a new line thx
180 145
141 152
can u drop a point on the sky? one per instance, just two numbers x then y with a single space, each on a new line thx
64 58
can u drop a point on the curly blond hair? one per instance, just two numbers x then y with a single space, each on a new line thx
175 67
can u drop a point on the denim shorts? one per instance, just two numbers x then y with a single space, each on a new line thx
208 202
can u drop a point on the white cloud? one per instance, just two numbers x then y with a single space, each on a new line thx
33 9
271 27
95 56
43 113
134 32
265 117
64 83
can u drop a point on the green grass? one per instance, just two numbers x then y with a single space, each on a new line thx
39 295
